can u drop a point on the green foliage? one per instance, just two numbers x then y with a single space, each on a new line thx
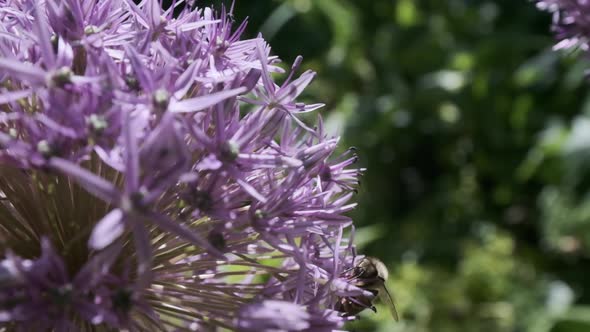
475 136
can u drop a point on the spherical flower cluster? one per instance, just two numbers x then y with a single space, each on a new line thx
571 22
154 177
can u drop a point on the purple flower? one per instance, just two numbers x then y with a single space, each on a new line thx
571 22
153 176
41 294
275 316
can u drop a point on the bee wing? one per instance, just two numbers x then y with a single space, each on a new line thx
388 299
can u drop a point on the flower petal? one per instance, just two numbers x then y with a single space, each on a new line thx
23 71
107 230
195 25
203 102
93 183
295 88
10 96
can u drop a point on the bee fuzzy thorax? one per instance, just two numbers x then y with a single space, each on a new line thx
369 274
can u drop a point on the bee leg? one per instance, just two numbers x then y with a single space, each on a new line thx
373 308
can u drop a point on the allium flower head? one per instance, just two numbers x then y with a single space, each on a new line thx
571 22
153 176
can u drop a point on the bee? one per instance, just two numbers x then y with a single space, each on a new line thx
369 274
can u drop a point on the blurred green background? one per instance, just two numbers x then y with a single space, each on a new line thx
476 136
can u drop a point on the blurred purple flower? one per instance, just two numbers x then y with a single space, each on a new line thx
275 316
153 176
571 22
